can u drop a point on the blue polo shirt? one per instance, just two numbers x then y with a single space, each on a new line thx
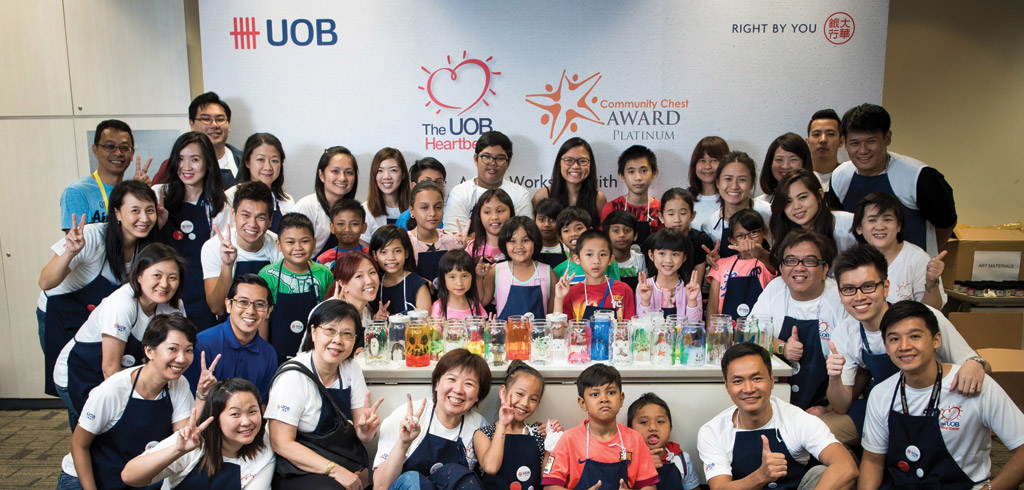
83 196
256 361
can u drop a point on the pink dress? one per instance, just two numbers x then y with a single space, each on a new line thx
435 311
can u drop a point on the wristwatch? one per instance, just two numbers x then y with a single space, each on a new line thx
782 348
979 360
330 467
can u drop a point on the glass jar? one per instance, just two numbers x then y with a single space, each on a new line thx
436 338
496 338
417 343
559 323
376 343
718 338
454 334
640 331
579 342
540 342
396 336
518 344
691 341
662 347
476 334
621 347
764 325
601 326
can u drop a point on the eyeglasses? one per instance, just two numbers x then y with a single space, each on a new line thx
743 236
866 288
207 119
334 332
111 147
244 304
492 161
808 261
570 161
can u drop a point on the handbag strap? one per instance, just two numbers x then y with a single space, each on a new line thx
293 365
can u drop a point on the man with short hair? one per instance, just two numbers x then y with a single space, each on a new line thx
243 353
113 146
243 249
824 140
211 116
919 432
861 274
764 442
926 197
492 156
807 314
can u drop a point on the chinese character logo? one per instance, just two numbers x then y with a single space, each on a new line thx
839 28
447 89
245 32
567 103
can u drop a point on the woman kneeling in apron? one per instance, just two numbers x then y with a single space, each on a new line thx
429 444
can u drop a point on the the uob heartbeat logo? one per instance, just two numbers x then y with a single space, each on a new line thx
300 32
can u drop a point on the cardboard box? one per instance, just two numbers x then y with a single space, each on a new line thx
988 330
968 240
1008 371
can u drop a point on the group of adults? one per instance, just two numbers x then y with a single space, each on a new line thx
141 255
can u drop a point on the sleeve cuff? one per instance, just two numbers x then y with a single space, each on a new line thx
553 481
646 483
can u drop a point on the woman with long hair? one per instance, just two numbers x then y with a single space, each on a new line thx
337 177
574 179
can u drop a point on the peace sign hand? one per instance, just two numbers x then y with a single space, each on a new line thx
369 421
562 286
382 311
693 290
712 255
643 289
75 239
228 252
206 377
933 271
411 423
339 290
506 414
188 436
483 266
142 172
462 236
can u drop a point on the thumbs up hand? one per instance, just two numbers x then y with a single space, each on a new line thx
933 271
794 348
835 361
773 465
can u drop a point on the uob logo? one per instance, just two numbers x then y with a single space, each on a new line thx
300 32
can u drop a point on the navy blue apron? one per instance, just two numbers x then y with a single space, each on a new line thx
440 462
229 477
226 178
746 457
609 474
397 296
520 464
914 227
334 437
288 321
810 378
243 267
522 299
186 231
881 368
143 421
65 314
917 455
643 230
275 220
669 477
332 242
599 338
427 263
589 311
741 292
85 365
630 281
552 259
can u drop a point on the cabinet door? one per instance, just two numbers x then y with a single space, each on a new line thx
40 157
35 59
127 57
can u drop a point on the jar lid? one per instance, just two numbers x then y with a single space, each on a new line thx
557 317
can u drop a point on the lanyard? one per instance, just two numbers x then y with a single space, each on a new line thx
933 401
620 445
103 189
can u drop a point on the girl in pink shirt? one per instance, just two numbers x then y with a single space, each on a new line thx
457 296
739 279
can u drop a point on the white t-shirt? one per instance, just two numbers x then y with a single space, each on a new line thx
390 428
463 197
554 249
295 400
841 232
256 472
634 263
712 223
954 348
703 207
966 423
824 179
907 275
834 323
804 435
210 254
90 262
374 222
118 316
227 162
222 220
107 402
286 205
310 207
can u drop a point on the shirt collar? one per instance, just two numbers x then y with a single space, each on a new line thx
232 342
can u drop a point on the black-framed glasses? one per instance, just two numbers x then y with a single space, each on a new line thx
244 304
110 148
750 234
208 119
570 161
495 161
866 288
334 332
808 261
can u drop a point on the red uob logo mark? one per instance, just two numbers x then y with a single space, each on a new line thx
444 90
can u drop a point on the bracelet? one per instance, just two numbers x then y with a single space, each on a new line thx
201 396
330 468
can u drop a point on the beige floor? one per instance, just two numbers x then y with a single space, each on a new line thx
32 443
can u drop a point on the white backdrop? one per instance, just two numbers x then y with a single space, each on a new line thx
659 73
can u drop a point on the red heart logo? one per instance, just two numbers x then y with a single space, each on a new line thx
452 91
